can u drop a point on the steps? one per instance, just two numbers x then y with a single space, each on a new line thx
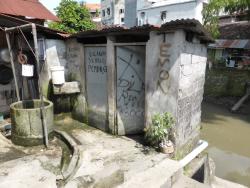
186 182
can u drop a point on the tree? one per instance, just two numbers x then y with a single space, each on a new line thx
215 7
74 17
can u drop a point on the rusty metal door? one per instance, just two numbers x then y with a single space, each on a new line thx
130 62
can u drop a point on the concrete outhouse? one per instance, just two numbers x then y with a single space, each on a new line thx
128 75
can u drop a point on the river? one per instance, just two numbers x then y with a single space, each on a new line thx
228 136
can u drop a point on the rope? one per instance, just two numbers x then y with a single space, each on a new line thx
22 59
2 29
27 42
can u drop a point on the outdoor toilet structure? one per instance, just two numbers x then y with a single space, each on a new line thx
128 75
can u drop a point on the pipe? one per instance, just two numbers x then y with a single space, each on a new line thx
45 129
202 146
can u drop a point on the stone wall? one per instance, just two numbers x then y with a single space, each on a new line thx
226 82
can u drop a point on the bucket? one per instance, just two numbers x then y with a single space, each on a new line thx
6 75
57 74
4 55
27 70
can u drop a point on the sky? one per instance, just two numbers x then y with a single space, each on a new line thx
51 4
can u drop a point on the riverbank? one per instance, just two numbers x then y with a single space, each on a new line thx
228 137
228 102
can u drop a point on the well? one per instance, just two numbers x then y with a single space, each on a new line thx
27 127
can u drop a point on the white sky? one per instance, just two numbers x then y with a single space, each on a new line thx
51 4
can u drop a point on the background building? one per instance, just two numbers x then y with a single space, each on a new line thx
155 12
112 12
94 9
159 12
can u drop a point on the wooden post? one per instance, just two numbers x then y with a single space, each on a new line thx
45 130
12 64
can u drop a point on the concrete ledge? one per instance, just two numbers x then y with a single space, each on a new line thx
66 88
75 161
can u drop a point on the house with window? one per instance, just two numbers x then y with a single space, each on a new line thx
159 12
94 10
112 12
154 12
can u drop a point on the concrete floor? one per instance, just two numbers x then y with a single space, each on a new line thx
106 162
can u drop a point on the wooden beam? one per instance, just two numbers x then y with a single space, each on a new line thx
12 65
18 27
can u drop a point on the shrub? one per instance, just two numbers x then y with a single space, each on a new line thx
160 128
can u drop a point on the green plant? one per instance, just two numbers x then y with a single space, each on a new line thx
212 11
160 128
74 17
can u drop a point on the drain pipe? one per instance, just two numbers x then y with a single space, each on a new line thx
201 147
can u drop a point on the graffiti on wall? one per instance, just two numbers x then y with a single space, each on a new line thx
97 61
130 83
72 55
96 85
164 59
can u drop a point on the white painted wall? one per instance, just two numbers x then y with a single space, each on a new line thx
175 9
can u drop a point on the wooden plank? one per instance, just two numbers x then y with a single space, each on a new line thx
67 88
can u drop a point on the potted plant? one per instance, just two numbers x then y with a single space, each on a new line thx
158 133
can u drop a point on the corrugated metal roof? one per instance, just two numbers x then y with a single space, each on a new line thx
29 8
236 44
185 24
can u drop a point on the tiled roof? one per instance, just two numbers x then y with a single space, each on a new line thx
185 24
29 8
237 30
93 6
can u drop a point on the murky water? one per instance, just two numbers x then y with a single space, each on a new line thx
229 142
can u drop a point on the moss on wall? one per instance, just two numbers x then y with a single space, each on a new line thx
226 82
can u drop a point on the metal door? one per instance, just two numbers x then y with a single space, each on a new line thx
96 84
130 61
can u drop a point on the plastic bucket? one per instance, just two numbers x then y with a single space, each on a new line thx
6 75
27 70
57 74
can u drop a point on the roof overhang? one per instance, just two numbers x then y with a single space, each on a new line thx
233 44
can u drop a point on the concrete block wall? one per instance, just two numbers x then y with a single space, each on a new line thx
191 88
162 72
175 75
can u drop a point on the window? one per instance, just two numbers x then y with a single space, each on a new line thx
121 11
108 11
142 18
142 15
103 13
122 20
164 16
